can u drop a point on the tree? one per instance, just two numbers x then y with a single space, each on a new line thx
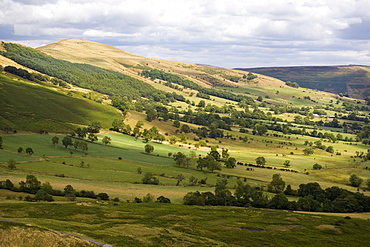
308 151
317 166
224 154
67 141
230 162
148 148
55 140
163 199
92 137
81 133
176 124
148 198
32 184
106 140
179 178
208 162
138 170
215 154
69 190
42 195
103 196
355 180
279 201
29 151
173 140
182 160
47 187
149 178
117 125
277 184
94 127
287 163
20 150
83 146
368 183
222 194
261 161
76 144
151 114
330 149
260 129
12 164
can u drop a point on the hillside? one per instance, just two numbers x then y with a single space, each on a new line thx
352 80
224 141
27 106
110 57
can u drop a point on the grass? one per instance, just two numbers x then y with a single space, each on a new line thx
146 224
38 108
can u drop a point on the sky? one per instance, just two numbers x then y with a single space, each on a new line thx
224 33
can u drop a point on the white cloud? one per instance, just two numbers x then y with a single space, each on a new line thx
226 32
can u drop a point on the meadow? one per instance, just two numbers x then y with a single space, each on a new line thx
148 224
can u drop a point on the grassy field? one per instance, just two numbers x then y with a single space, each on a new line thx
39 108
147 224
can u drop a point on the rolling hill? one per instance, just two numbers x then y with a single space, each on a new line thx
209 129
351 80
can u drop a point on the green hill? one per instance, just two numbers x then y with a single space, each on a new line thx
36 108
352 80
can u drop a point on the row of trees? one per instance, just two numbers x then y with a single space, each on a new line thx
45 192
212 161
311 197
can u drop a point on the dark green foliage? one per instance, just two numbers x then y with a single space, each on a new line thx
31 185
103 196
29 151
67 141
83 75
230 162
355 180
149 148
1 142
317 166
292 84
12 164
260 161
158 74
149 178
208 162
163 199
182 160
277 184
55 140
42 195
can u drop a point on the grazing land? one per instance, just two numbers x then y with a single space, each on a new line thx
109 138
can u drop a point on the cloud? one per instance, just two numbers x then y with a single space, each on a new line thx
232 33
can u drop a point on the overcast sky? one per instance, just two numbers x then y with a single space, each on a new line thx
225 33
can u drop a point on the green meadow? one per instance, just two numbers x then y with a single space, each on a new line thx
148 224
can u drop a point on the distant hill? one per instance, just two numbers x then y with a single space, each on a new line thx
351 80
113 58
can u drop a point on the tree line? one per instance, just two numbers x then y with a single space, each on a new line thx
311 197
45 191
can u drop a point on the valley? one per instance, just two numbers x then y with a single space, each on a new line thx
100 119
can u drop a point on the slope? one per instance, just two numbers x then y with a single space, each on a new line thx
30 107
109 57
351 80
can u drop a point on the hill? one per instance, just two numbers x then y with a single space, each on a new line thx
351 80
109 57
187 130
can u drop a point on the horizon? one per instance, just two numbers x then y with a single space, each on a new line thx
228 34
